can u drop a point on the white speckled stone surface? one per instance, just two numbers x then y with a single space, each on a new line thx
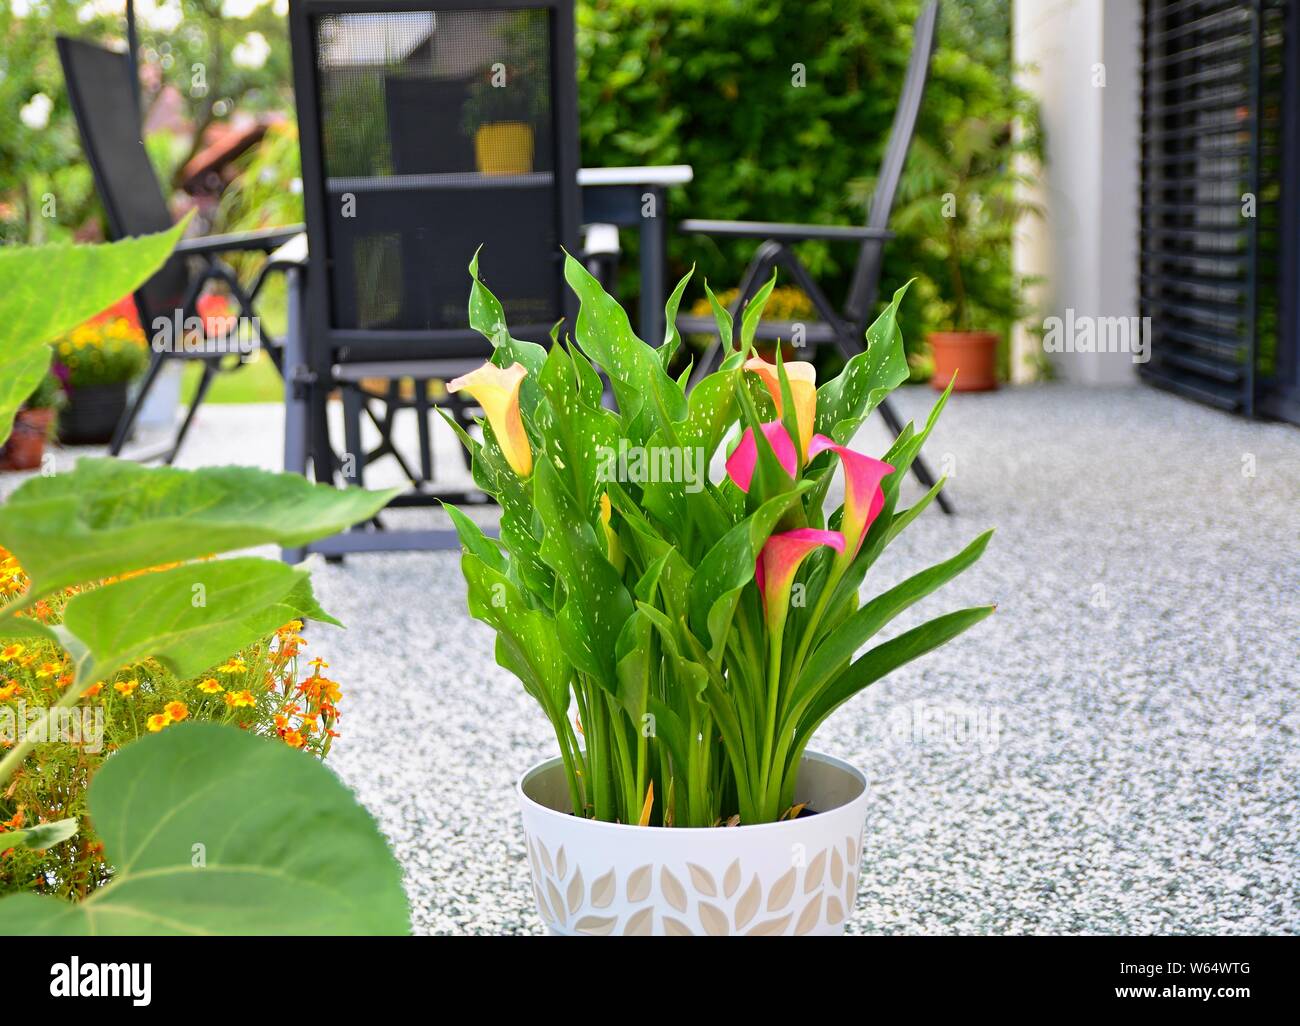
1117 750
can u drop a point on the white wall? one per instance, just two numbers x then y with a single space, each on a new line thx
1086 245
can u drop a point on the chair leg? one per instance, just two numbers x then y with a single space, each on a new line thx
919 466
205 382
123 430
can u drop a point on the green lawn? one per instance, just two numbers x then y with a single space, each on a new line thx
255 382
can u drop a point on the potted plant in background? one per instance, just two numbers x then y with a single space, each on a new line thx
33 426
965 200
507 101
97 361
701 626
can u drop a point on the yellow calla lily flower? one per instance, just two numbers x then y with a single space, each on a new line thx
803 388
497 391
612 547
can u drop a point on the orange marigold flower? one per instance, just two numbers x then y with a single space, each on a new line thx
157 721
12 651
126 688
292 627
91 691
240 700
329 691
177 711
210 686
281 721
294 739
16 820
9 690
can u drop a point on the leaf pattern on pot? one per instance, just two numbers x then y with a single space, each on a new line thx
731 879
834 911
782 892
640 924
830 880
542 907
713 919
809 916
597 926
604 890
816 870
576 892
674 892
638 883
747 906
557 903
702 879
771 927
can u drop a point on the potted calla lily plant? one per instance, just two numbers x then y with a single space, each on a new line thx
671 587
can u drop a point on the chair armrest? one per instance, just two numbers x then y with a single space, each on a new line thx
776 230
264 239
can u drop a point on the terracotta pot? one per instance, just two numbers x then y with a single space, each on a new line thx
795 877
92 414
504 148
971 355
26 444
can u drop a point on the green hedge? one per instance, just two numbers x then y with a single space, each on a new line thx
710 83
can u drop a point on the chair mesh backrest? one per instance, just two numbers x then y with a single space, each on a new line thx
437 135
866 277
108 120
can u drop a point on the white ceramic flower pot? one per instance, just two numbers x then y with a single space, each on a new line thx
796 877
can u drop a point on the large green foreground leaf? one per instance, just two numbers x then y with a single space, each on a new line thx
190 617
109 517
212 831
48 290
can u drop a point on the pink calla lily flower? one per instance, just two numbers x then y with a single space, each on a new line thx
863 496
741 463
779 561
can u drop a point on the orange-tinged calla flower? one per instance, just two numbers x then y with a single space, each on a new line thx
778 563
803 389
497 391
863 497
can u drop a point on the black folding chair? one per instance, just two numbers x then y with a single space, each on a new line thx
391 98
102 93
843 328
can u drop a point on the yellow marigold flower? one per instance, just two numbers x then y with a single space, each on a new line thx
497 391
176 710
12 652
318 664
126 688
329 691
157 721
235 665
293 739
240 700
210 686
292 627
48 670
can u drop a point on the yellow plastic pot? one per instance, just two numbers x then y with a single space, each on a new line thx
505 148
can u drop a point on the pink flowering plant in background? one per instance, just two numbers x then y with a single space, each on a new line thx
671 583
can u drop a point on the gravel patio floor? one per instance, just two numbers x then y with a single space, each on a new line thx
1117 750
